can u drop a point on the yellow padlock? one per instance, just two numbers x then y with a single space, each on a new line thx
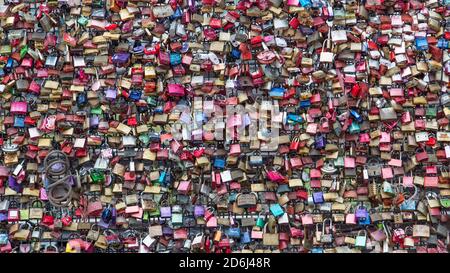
73 247
217 235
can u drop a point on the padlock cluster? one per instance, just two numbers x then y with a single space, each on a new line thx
224 126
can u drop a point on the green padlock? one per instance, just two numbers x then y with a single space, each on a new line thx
431 112
96 111
387 188
177 215
152 101
339 162
307 186
23 51
445 202
97 3
83 21
97 176
24 213
155 213
380 225
260 222
145 216
144 138
354 128
177 218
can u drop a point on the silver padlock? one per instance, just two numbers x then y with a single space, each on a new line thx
187 244
18 168
4 205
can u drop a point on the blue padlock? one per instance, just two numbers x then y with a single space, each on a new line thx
356 115
277 92
293 118
305 103
200 117
9 65
168 179
276 210
177 14
162 177
408 205
81 99
232 197
442 43
19 122
282 188
107 215
235 53
135 95
364 221
234 232
175 58
158 109
245 237
421 43
219 163
305 3
317 250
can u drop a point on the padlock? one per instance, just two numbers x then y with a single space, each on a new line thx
361 240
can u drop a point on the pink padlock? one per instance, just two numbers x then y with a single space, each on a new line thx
43 194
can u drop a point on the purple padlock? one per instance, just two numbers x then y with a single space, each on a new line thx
166 212
192 6
361 213
167 231
318 197
111 94
3 216
127 26
120 58
113 216
199 211
320 142
93 121
12 183
103 224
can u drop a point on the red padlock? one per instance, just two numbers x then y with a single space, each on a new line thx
132 121
66 220
110 27
398 236
295 144
294 23
48 220
431 141
198 153
208 214
302 194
